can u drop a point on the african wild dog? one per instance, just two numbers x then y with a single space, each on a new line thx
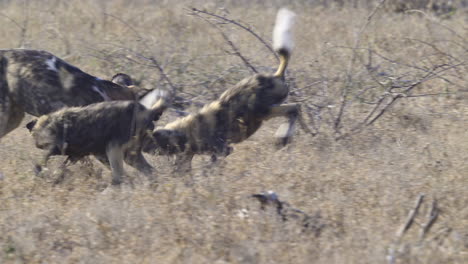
38 83
111 131
239 111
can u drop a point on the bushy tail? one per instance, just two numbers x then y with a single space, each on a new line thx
156 98
157 102
283 39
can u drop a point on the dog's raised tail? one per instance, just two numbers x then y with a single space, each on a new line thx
156 102
283 39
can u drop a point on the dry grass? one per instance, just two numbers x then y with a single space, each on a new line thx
357 191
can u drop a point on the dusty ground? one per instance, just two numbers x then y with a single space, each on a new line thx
355 193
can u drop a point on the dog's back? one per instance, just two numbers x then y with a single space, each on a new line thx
40 83
81 131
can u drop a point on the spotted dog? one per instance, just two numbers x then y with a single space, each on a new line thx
237 113
111 131
37 82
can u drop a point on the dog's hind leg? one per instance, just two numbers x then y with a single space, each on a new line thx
11 114
16 116
136 159
115 156
4 118
5 100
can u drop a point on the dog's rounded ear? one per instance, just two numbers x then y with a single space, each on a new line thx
122 79
31 125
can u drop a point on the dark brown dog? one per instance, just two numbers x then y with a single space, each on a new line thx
38 83
111 131
238 113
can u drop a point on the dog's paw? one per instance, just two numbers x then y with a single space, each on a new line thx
40 170
282 136
116 182
282 142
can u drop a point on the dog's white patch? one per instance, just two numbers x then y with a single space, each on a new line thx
272 195
152 97
98 79
51 64
243 213
67 81
101 93
282 33
285 131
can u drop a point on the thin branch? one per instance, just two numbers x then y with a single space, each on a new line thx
428 95
346 88
392 250
431 219
405 64
12 20
373 116
125 23
230 43
154 62
410 219
438 23
246 28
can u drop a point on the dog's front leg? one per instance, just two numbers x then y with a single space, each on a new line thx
183 162
115 156
285 131
43 163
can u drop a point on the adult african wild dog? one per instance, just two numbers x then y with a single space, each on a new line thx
111 131
238 112
38 83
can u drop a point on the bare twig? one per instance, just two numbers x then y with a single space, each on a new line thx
428 95
415 67
434 47
410 219
432 19
154 62
246 28
12 21
347 85
375 114
392 250
431 218
137 34
229 42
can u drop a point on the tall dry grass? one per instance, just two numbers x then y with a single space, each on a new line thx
357 191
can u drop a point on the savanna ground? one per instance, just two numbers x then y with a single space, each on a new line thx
357 176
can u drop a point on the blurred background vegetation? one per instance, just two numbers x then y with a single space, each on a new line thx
383 87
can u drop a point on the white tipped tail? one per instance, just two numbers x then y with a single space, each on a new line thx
153 97
282 33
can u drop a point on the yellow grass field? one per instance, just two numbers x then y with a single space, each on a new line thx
355 180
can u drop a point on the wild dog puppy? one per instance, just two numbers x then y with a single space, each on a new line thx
111 131
239 111
38 83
